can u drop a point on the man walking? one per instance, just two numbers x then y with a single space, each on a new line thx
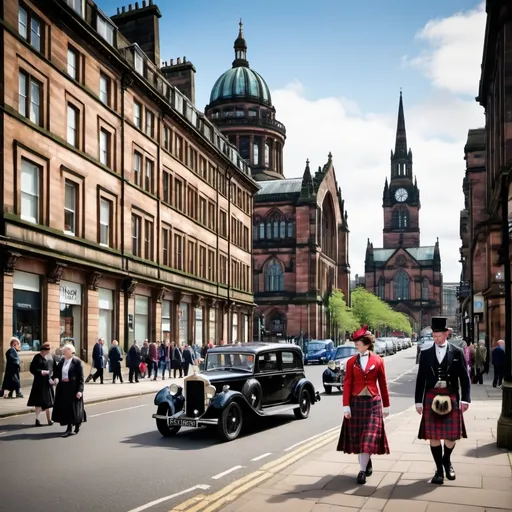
498 363
441 374
98 361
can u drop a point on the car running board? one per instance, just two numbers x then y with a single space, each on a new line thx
278 409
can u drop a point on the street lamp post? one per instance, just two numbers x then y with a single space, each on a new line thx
504 430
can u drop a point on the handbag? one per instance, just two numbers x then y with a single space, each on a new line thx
442 405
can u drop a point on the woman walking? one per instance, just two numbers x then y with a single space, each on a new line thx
69 403
115 356
12 381
364 395
41 395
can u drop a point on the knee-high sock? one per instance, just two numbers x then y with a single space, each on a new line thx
447 455
437 453
363 461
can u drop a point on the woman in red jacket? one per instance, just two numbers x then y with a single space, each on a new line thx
365 394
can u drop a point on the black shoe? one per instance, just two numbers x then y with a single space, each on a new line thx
68 432
88 379
38 423
449 471
361 478
369 468
50 423
438 478
77 429
19 395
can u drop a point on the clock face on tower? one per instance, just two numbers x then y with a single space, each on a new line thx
401 195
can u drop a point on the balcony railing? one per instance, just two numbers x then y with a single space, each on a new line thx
250 121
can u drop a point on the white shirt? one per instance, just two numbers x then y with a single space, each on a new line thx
65 368
363 361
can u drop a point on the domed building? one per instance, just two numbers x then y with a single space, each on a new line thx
300 232
241 106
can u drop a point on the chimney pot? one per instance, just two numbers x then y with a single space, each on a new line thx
123 9
178 60
150 2
172 62
184 60
130 7
143 3
136 5
118 10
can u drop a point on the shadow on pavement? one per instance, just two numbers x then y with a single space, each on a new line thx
37 435
203 437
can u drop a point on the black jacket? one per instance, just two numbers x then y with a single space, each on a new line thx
457 373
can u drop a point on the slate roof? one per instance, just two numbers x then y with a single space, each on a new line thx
273 187
418 253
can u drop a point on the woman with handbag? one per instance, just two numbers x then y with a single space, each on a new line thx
365 405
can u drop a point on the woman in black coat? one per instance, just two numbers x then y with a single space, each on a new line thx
69 403
12 381
42 395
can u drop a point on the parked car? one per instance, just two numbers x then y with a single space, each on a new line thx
334 374
390 346
319 351
240 382
380 348
424 343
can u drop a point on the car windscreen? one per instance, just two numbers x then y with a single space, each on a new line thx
342 352
229 360
315 347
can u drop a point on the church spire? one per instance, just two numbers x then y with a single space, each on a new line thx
240 47
401 136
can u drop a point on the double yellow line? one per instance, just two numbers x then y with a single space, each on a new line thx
213 502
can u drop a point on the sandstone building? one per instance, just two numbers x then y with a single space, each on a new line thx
125 212
404 273
300 232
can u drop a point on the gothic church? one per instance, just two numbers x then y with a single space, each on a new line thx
403 273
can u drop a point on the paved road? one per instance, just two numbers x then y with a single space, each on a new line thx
120 462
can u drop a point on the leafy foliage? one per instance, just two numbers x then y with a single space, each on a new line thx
341 315
369 310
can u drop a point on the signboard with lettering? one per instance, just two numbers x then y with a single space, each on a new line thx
70 293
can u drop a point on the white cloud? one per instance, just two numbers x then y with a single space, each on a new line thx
454 51
361 142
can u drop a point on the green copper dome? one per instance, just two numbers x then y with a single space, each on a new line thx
240 82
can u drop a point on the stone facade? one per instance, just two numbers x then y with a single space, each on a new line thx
300 232
404 273
125 213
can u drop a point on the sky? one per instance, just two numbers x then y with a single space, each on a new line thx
335 73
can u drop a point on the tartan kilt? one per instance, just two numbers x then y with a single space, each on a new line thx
450 427
364 431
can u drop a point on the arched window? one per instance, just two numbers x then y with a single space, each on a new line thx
291 229
380 288
328 242
274 222
282 229
424 289
262 230
402 286
274 277
267 154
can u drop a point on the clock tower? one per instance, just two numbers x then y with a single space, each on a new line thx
401 197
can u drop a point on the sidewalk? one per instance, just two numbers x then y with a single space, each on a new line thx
94 393
325 480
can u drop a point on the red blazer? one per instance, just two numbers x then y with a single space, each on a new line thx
356 379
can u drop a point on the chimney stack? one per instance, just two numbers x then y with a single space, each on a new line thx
141 26
182 76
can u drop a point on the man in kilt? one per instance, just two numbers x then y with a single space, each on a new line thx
442 373
362 431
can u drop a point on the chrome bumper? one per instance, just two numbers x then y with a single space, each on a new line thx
333 384
181 420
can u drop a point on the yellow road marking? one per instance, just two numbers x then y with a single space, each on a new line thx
212 503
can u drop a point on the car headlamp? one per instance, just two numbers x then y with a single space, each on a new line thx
210 392
174 389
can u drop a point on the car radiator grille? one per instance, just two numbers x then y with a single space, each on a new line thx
194 398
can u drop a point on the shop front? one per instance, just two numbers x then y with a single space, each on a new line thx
71 315
27 310
106 315
166 320
141 328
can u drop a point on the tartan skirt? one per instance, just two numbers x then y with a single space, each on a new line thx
450 427
364 431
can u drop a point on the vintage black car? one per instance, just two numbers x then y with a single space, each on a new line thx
239 382
334 374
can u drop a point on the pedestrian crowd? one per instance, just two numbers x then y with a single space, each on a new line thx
59 380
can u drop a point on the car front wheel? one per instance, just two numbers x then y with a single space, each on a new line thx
328 390
302 412
230 422
162 425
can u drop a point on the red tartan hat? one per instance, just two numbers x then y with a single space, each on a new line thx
360 333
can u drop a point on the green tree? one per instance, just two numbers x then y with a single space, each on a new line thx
369 310
341 315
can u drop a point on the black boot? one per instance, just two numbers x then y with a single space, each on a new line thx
369 468
437 453
447 464
68 432
38 423
361 478
77 429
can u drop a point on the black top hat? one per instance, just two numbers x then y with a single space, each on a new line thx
439 324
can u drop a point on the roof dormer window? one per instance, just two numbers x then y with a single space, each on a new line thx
138 62
105 29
